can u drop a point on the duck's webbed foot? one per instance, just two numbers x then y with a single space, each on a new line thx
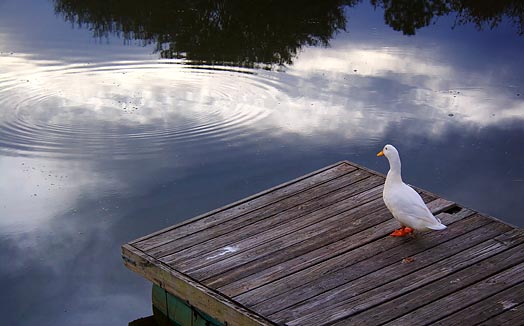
402 232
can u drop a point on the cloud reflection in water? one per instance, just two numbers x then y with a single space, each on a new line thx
142 143
135 108
399 83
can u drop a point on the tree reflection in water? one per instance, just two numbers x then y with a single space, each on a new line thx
409 15
244 33
227 32
263 32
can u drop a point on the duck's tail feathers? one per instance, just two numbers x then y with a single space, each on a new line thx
437 227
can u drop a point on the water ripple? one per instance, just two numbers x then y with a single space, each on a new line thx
126 108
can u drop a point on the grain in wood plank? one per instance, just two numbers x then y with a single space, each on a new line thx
325 275
376 270
242 207
283 266
168 243
283 286
460 299
198 296
330 222
264 218
487 308
407 303
407 283
511 317
510 238
307 253
437 205
305 240
182 252
159 298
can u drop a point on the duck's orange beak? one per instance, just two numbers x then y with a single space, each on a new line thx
381 153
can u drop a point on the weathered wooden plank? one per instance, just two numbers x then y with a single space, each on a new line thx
439 205
170 308
487 308
178 310
512 237
376 270
304 240
312 198
511 317
264 225
243 206
201 297
340 269
308 252
462 298
407 303
328 220
159 298
236 283
395 280
333 223
325 275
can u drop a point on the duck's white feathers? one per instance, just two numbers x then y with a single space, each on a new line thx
404 203
409 209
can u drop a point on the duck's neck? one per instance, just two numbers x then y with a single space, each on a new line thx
394 173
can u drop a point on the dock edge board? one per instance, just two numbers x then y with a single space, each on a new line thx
193 293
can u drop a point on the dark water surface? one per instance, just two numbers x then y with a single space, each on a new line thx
118 120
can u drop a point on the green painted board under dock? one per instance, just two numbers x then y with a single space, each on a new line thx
317 251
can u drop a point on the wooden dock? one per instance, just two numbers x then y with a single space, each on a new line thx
317 251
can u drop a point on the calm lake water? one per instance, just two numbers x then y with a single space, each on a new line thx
116 121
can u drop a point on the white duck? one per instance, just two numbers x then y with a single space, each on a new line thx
404 203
